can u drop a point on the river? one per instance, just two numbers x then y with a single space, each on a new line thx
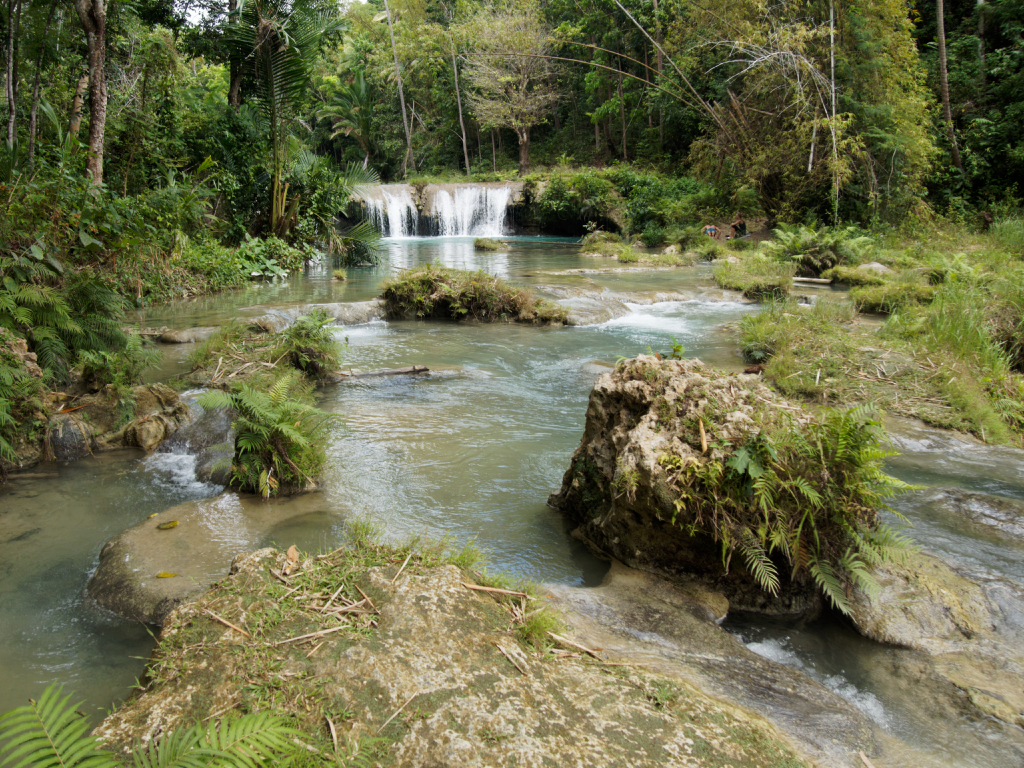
470 452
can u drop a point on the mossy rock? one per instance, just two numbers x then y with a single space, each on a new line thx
486 244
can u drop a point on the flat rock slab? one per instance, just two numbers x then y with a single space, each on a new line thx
188 335
209 534
670 630
443 682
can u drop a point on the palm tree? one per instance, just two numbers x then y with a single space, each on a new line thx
352 113
276 42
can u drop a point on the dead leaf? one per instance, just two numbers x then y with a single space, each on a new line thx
167 526
293 554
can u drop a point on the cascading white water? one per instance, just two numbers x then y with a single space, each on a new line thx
471 211
467 211
393 213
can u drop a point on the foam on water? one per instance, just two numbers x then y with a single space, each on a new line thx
778 650
177 472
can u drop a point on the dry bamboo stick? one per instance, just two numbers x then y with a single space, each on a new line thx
227 623
495 590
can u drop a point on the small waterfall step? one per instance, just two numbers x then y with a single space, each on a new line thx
440 210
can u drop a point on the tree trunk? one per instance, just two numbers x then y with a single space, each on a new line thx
494 156
947 113
622 114
657 40
13 29
458 101
33 113
93 15
524 150
75 124
234 70
981 49
401 97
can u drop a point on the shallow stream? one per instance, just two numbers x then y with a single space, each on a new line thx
471 452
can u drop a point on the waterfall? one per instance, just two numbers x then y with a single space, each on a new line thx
471 211
460 210
393 213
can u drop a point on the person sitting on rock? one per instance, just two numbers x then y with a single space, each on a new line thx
739 227
712 231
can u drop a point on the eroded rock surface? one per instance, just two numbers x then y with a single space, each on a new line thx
443 680
972 631
616 494
670 629
196 551
344 313
150 415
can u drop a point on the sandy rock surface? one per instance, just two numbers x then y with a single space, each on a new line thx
443 681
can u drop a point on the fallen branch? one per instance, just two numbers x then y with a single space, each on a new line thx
402 568
321 633
495 590
227 623
508 656
577 646
388 721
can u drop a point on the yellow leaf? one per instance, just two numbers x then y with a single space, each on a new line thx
165 575
167 526
153 515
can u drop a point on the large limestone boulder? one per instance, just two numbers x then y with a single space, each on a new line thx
191 554
616 492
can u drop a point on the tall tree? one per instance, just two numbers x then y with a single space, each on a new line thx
510 73
409 157
947 114
13 35
277 43
93 16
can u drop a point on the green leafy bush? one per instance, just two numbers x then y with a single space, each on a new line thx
271 257
281 437
653 235
575 199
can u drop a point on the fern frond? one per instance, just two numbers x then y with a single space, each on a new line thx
253 740
177 749
759 565
829 583
50 734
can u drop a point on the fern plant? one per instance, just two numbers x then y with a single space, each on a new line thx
280 436
803 495
310 345
816 249
50 733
